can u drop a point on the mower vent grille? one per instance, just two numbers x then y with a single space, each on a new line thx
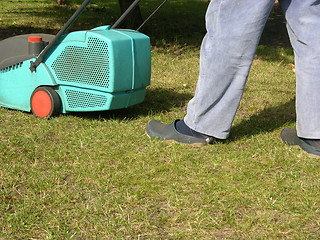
78 99
13 67
85 65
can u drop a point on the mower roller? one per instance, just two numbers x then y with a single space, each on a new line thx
94 70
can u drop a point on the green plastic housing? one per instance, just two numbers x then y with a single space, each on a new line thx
95 70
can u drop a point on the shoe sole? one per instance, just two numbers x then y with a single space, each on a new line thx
171 141
168 133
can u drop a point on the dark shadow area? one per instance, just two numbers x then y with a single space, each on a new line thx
157 100
177 22
6 32
93 16
267 120
275 32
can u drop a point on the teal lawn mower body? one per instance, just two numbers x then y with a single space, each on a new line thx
95 70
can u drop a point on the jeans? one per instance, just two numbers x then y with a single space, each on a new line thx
234 28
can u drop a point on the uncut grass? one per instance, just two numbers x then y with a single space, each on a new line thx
97 175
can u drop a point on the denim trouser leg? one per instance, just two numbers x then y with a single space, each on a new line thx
233 32
303 23
227 51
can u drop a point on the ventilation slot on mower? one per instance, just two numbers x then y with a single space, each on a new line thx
13 67
83 100
84 65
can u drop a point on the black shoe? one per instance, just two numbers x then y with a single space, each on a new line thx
156 129
290 137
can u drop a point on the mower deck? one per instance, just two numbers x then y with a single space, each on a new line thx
14 50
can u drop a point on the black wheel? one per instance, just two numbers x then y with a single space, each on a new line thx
45 102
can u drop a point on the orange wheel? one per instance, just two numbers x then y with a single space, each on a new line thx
45 102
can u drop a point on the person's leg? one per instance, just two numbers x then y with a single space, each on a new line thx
303 24
233 32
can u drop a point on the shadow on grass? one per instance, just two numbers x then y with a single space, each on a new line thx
267 120
6 32
275 32
93 16
178 22
156 101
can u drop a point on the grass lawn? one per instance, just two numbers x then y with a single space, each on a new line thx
98 176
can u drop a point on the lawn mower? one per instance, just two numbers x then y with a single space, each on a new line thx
95 70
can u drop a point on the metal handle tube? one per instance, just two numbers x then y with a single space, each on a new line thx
125 14
73 18
151 15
